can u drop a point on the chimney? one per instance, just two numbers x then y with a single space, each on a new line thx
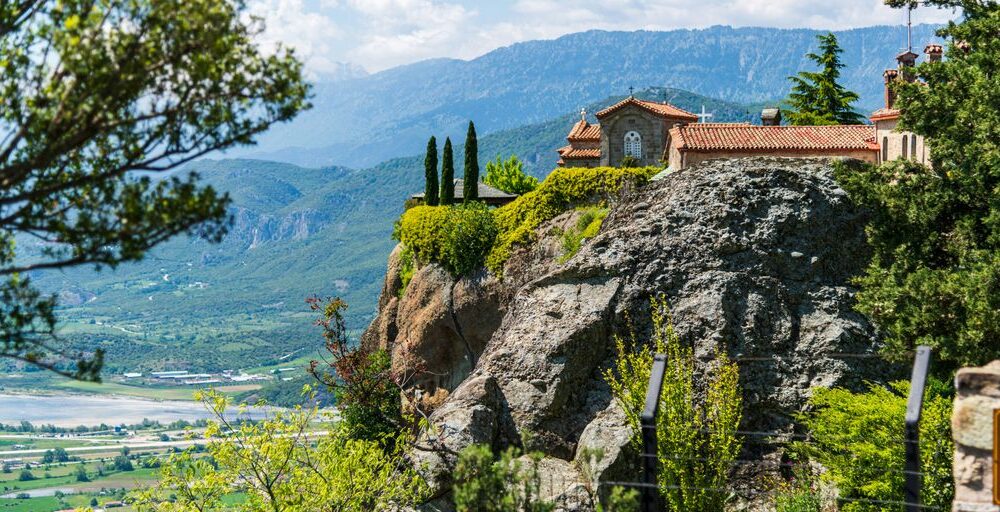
907 62
934 52
770 117
890 76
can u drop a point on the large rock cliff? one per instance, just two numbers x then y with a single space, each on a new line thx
754 256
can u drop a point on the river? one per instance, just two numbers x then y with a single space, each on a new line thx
74 410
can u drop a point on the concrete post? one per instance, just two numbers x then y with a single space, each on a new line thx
977 396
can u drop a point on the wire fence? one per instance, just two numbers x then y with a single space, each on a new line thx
651 489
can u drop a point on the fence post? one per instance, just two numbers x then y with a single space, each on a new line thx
650 500
914 404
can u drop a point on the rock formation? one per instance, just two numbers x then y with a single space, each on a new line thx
754 256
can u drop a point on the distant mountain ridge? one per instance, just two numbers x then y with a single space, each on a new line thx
362 121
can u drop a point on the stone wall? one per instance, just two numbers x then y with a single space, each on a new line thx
977 396
650 126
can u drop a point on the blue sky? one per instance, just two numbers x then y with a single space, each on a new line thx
378 34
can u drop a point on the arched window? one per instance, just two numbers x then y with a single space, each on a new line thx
633 144
913 147
905 144
885 149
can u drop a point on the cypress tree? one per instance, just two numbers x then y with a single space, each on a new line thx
471 190
447 174
818 97
431 173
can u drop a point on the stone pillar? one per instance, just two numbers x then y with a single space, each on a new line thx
978 395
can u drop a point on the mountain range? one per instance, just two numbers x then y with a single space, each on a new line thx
358 122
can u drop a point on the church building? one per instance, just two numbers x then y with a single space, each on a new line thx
662 134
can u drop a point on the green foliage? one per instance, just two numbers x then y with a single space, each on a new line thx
25 476
81 474
858 438
586 227
935 275
431 185
509 176
508 483
407 267
696 427
359 376
565 188
470 192
123 463
90 94
799 495
817 97
457 237
447 195
629 162
280 466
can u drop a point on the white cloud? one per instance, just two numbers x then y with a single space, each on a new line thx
378 34
292 23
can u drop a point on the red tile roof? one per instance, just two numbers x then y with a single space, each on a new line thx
744 137
584 131
571 153
884 113
661 109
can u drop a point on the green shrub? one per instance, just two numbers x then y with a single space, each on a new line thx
484 483
565 188
696 437
799 495
508 175
587 226
457 237
406 269
858 438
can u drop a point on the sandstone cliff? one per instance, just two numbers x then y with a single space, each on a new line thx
754 257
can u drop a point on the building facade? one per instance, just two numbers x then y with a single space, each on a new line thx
661 134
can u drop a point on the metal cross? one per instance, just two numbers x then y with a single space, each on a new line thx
703 115
630 90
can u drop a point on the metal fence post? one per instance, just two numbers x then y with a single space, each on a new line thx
650 500
914 404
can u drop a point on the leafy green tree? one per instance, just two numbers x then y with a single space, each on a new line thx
359 376
447 174
470 191
25 476
123 463
935 231
509 176
431 173
696 428
856 438
282 466
508 483
81 474
817 98
94 98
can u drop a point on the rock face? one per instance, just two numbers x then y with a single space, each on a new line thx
754 257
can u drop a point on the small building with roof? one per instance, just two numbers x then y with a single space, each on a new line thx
895 143
487 194
634 128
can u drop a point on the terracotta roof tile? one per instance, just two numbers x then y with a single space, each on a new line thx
884 113
584 131
580 153
661 109
744 137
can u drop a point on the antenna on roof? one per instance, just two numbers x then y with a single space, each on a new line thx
702 116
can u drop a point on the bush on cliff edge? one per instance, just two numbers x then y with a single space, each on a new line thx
457 237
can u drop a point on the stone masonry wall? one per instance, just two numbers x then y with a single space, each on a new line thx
978 395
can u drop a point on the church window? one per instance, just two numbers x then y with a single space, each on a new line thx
913 147
905 144
633 144
885 149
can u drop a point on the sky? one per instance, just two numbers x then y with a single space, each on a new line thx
331 35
